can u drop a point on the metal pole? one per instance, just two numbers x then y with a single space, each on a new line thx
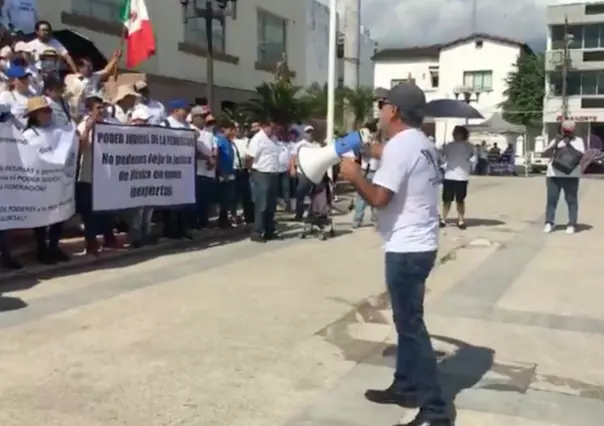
565 66
331 79
352 47
209 19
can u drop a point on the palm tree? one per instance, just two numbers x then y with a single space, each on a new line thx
316 99
359 103
279 101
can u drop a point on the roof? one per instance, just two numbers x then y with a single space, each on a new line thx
433 50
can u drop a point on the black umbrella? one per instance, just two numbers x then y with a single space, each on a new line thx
451 108
81 47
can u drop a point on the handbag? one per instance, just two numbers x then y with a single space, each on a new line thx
567 158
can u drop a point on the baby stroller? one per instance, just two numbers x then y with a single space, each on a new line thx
318 220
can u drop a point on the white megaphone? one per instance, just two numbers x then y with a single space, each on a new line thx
314 162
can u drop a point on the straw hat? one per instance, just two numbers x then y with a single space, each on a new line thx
36 103
124 91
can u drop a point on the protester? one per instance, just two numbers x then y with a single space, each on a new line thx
205 182
39 122
53 90
155 108
369 165
225 169
19 16
177 219
262 156
405 191
459 158
243 194
16 97
45 41
284 163
302 182
123 103
94 222
559 179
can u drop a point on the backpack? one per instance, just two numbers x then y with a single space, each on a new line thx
567 158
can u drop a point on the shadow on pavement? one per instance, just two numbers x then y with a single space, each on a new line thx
475 222
581 227
11 303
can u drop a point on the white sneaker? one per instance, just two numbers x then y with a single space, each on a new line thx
548 228
570 229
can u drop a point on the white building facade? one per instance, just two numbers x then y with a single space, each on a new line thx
317 47
585 82
475 67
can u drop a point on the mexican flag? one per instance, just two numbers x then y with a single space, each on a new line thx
140 41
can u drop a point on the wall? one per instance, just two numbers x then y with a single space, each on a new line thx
417 68
552 110
237 69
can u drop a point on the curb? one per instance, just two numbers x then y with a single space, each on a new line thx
85 263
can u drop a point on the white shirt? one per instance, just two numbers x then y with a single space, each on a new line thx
369 164
36 81
576 143
21 14
240 146
59 115
205 145
92 86
297 147
408 168
117 112
17 104
458 157
156 110
38 47
284 156
265 153
175 124
85 155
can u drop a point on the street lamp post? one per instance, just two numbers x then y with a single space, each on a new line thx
193 10
466 96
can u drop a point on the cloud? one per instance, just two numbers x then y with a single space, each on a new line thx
420 22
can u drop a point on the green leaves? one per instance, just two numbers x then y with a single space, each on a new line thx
523 102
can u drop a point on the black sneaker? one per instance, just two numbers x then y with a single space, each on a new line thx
257 238
391 396
273 236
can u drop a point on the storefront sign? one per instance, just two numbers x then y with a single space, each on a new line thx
579 118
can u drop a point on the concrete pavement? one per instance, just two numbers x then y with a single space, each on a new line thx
291 333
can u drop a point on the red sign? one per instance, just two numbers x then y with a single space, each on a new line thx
579 118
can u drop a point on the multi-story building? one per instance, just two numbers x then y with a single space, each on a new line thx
473 67
247 46
584 37
317 47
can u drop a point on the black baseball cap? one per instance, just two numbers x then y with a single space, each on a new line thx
409 99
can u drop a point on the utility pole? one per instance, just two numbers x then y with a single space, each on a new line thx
352 50
568 38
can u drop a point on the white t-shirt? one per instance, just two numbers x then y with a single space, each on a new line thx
117 112
59 114
85 155
284 156
156 110
17 104
21 14
576 143
458 158
206 145
265 153
240 146
408 168
38 47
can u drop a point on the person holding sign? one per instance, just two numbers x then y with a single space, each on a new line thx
39 122
94 222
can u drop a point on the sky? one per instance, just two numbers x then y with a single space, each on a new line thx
404 23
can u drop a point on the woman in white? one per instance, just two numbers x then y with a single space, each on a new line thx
39 122
557 180
18 93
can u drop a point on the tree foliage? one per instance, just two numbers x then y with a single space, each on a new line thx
278 101
359 103
525 90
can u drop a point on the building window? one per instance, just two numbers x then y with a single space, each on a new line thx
594 9
195 33
478 44
434 77
578 83
478 80
104 10
593 56
272 38
583 36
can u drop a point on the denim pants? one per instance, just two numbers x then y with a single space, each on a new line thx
416 370
228 202
361 205
265 189
243 195
570 186
303 187
95 223
139 225
48 237
285 190
205 198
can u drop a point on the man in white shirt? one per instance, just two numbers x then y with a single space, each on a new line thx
284 175
243 191
405 192
45 41
459 159
20 16
369 166
206 184
262 157
558 180
155 108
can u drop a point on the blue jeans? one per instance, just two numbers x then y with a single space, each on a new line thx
570 186
205 197
361 205
228 202
265 190
416 371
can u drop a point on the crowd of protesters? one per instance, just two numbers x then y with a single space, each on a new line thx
43 86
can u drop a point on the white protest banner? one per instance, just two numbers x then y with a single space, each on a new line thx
139 166
37 176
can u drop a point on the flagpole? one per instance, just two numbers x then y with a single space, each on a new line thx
121 47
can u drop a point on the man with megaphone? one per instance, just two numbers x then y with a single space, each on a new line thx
405 191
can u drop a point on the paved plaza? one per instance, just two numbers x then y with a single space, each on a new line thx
291 333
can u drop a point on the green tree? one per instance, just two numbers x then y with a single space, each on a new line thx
359 103
278 101
316 98
525 90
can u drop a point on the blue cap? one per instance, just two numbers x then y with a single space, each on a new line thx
16 71
178 104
